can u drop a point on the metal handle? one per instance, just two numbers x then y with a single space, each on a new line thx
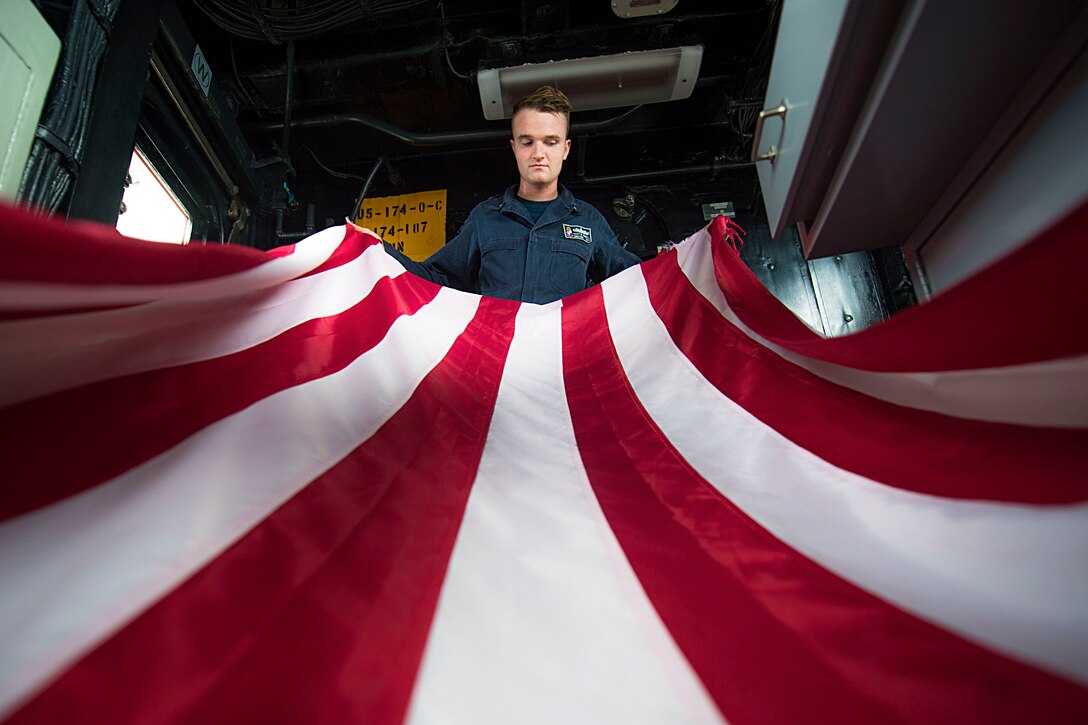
769 154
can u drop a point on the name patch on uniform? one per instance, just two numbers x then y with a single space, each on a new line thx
582 234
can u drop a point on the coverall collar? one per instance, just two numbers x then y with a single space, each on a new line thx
559 208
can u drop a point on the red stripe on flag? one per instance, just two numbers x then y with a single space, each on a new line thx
904 447
43 249
10 315
321 613
1026 307
773 636
64 443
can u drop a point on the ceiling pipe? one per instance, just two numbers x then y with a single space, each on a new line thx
439 138
712 168
289 100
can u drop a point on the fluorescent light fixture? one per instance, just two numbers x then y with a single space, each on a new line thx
641 8
606 81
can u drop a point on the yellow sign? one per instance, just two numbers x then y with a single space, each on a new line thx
413 223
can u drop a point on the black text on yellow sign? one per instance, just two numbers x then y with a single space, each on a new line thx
413 223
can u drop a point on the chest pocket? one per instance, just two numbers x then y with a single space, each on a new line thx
569 261
498 265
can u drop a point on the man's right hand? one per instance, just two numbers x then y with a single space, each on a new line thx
358 228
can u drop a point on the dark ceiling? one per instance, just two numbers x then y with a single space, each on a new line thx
411 64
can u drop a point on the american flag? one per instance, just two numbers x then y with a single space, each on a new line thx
305 486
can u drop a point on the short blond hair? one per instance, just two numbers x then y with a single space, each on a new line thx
547 100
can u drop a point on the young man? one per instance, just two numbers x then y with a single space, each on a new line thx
536 242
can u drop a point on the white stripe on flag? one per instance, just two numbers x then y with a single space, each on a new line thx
973 567
1054 393
309 254
541 619
94 346
78 570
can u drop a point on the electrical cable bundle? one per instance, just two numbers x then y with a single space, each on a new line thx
58 147
257 20
744 111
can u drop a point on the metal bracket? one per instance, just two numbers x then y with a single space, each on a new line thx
55 142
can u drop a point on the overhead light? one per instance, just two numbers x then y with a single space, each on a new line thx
606 81
641 8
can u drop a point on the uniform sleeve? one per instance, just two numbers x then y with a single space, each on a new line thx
609 257
456 264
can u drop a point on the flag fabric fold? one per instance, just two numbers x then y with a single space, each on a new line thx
306 486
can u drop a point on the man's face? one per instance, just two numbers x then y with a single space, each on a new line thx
540 144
